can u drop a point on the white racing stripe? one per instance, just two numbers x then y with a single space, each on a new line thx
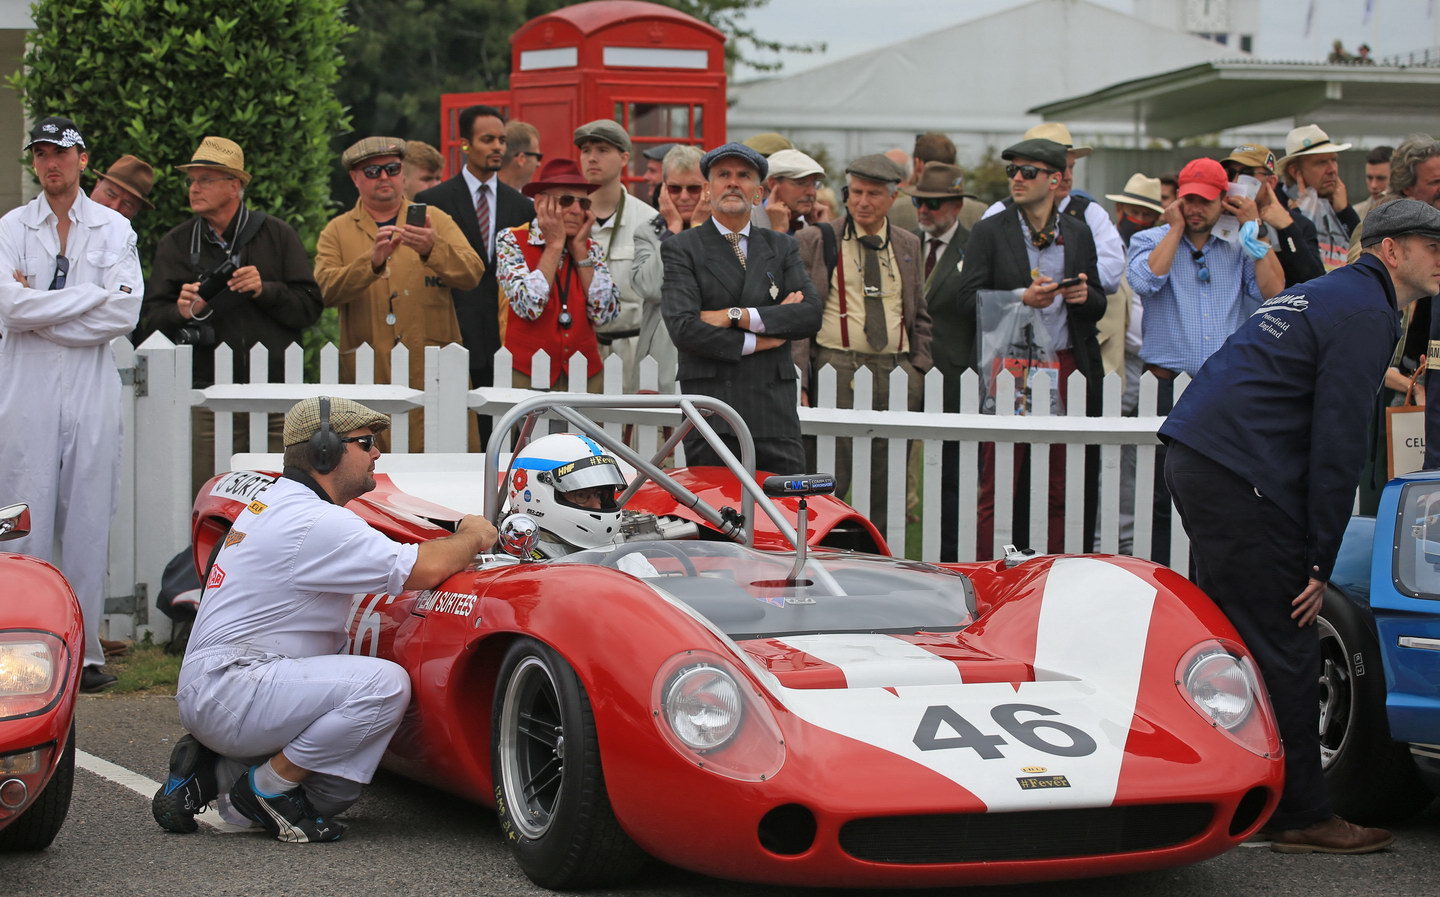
1073 722
144 787
869 659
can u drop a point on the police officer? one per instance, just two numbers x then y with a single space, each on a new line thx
1265 522
270 702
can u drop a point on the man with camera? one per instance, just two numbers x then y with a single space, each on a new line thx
231 275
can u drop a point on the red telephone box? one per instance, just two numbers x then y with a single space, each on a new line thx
656 71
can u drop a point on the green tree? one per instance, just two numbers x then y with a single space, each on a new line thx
153 77
405 53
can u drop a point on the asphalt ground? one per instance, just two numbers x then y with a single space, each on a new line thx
408 839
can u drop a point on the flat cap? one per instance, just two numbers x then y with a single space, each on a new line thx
1041 150
657 152
303 419
1401 218
793 164
369 148
769 143
739 151
605 130
876 167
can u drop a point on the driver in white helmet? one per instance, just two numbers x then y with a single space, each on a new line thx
569 485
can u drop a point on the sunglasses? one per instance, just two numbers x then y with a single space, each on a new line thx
1203 274
373 171
1028 172
366 442
692 189
929 202
566 201
62 270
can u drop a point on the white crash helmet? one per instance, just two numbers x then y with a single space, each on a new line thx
547 468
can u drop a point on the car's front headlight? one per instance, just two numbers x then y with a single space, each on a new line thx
1221 683
31 668
715 717
702 705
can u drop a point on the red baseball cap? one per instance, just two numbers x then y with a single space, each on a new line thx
1204 178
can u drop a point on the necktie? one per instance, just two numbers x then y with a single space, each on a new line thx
482 214
734 240
875 330
934 255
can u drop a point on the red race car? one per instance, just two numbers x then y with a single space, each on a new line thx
717 686
41 645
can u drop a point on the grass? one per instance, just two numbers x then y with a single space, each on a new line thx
145 670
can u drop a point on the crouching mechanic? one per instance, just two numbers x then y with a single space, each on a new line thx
287 725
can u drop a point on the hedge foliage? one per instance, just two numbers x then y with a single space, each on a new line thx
153 77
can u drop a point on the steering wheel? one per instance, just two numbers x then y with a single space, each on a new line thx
613 558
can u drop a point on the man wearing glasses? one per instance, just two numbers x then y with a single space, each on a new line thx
683 205
287 718
234 275
1195 290
522 154
390 276
72 284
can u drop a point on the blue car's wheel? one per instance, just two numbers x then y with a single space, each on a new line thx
549 786
1371 778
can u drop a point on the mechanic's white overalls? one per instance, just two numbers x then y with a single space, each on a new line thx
262 672
60 427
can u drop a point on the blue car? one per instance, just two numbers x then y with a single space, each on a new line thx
1380 645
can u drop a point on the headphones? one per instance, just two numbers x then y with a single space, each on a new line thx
326 449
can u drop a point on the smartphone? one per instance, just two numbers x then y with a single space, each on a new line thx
1069 282
415 214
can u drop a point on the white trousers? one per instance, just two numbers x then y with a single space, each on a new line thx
332 715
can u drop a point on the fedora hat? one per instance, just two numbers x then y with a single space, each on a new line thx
134 176
1307 140
558 173
939 180
222 155
1140 191
1053 130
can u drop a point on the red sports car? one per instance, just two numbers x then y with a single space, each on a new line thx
41 646
819 716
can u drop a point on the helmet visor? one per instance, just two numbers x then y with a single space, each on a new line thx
594 470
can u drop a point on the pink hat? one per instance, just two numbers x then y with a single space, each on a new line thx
1204 178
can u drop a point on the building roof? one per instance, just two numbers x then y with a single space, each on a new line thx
969 77
1218 95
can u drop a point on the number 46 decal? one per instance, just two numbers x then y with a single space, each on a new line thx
1028 732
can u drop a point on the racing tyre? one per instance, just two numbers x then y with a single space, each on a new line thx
40 823
1372 779
549 785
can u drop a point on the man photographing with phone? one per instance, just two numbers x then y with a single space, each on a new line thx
234 275
389 265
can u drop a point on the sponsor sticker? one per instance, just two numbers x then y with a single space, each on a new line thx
241 486
1032 769
456 603
1030 783
255 507
234 537
217 576
519 479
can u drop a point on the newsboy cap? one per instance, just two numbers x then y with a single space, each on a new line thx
303 419
1047 152
606 131
793 164
876 167
1401 218
370 148
739 151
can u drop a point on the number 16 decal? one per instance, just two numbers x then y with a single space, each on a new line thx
1029 732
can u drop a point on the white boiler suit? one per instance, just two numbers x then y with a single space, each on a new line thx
60 427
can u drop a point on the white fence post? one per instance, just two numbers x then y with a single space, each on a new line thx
162 469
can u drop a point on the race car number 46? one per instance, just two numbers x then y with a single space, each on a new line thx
941 728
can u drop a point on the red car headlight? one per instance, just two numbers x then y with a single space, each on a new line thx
713 715
1223 686
32 667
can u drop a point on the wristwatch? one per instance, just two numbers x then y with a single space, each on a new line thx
584 263
734 314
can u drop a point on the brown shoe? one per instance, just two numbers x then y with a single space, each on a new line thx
1334 835
113 648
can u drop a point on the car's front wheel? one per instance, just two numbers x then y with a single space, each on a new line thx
40 823
549 785
1371 778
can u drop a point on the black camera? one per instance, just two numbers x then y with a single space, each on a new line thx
201 336
214 282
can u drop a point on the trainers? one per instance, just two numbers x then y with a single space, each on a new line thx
189 788
1334 835
288 816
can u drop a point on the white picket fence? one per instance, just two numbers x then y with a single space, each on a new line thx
154 515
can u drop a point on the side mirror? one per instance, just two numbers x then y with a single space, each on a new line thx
14 522
519 534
